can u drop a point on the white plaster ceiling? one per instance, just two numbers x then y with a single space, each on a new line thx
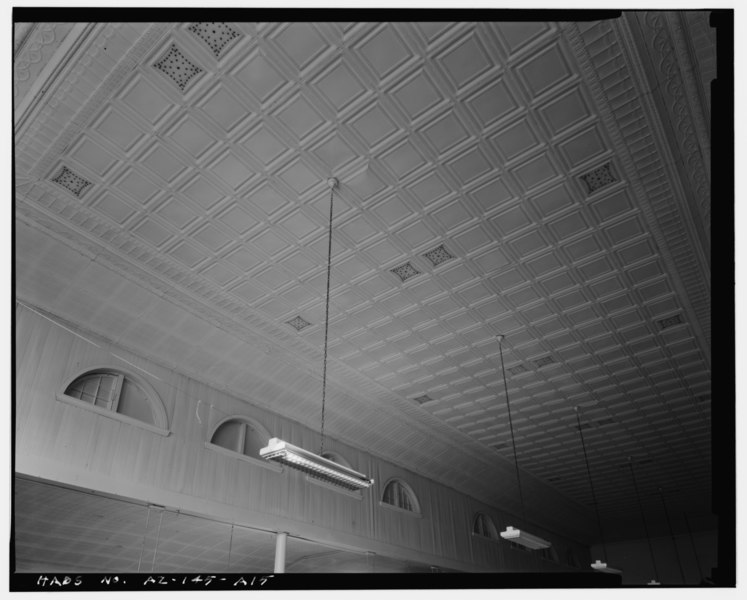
193 159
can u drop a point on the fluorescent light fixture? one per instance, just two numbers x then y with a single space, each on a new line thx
602 567
525 539
314 465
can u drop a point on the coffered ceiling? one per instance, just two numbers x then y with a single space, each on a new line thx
532 180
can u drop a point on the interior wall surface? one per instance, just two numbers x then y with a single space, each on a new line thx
69 444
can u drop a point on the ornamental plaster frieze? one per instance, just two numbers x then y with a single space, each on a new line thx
665 51
33 46
701 39
87 76
645 156
697 90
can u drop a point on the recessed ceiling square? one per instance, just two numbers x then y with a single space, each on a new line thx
260 77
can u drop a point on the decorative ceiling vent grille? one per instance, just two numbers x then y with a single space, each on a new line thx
439 255
177 66
517 370
216 35
298 323
544 361
422 399
71 182
598 178
669 321
404 272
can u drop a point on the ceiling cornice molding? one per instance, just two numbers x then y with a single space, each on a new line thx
693 84
34 44
448 439
664 53
65 88
21 33
644 154
41 64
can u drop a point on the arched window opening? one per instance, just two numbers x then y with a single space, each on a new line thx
485 527
398 494
118 394
241 436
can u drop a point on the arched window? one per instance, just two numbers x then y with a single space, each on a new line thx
484 527
117 394
243 438
400 495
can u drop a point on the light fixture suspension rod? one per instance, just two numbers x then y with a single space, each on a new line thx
230 547
155 548
695 548
671 535
332 182
643 518
145 535
511 427
591 485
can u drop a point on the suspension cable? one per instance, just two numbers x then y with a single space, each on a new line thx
332 184
511 426
671 535
591 485
643 518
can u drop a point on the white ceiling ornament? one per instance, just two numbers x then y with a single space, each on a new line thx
438 255
72 182
598 178
298 323
405 271
217 36
177 67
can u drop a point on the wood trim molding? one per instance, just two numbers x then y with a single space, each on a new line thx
111 414
271 466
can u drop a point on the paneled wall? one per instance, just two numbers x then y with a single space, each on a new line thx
69 444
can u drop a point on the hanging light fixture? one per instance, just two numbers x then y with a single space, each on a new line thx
314 465
518 536
597 565
655 580
297 458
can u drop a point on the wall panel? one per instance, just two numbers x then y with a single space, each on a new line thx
74 445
